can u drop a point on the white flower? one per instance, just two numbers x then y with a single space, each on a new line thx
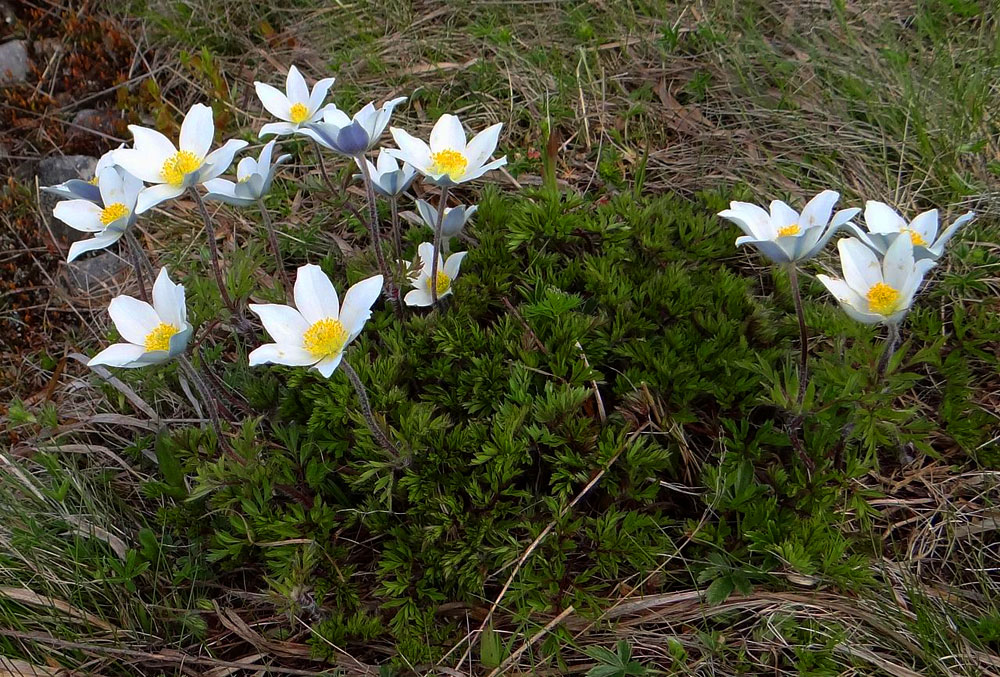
454 221
355 136
387 177
448 160
884 225
253 180
82 189
785 235
447 271
315 332
154 333
107 219
877 291
156 160
296 107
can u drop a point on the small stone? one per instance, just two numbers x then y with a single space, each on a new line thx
91 119
91 273
13 62
53 170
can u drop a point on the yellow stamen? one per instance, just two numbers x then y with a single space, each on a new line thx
449 162
883 299
298 113
325 338
916 238
113 212
179 165
159 338
443 283
93 181
792 229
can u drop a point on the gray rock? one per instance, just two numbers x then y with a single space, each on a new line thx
91 273
13 62
53 170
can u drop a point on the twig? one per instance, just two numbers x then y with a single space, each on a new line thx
213 249
531 642
593 384
272 237
136 256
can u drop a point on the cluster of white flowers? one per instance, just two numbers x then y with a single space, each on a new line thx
882 269
131 181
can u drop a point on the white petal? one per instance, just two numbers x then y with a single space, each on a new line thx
447 134
274 101
197 130
141 164
274 353
898 263
411 149
782 215
426 253
105 239
419 297
296 87
385 163
383 116
849 300
119 355
881 218
452 265
133 319
219 160
79 215
817 211
926 225
168 300
768 248
154 195
358 302
284 323
861 267
754 221
315 296
329 365
277 128
148 144
473 174
319 92
938 247
112 187
334 116
366 117
482 145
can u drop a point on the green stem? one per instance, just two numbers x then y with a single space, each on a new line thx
272 237
366 410
437 243
793 278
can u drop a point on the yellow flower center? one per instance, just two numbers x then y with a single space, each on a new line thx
882 299
325 338
791 229
93 181
113 212
159 338
916 238
179 165
443 283
449 162
298 113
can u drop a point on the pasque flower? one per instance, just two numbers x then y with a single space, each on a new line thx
785 235
447 271
154 158
448 160
253 179
351 136
454 220
317 330
874 290
83 189
884 225
388 178
296 107
108 217
153 333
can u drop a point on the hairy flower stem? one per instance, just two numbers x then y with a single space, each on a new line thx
366 410
437 243
213 250
397 241
210 402
272 237
373 231
793 278
891 342
137 259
